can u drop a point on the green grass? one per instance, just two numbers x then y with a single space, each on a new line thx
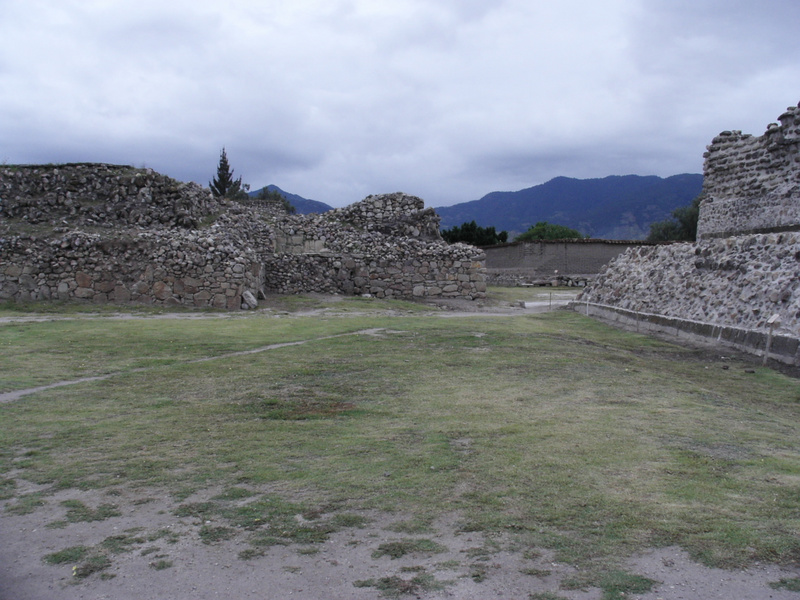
410 546
77 511
565 433
395 586
791 584
72 554
618 584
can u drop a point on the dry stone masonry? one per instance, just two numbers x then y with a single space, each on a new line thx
385 246
752 184
741 279
106 233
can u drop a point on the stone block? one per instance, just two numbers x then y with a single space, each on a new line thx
161 290
13 271
121 294
83 280
104 287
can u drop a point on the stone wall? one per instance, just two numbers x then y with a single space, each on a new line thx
529 262
101 195
733 283
400 254
203 268
106 233
752 184
738 281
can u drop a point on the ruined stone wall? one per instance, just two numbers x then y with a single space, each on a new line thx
105 233
142 268
399 255
739 281
100 195
752 184
733 283
170 267
421 272
392 214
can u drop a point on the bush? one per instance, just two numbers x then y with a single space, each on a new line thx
548 231
471 233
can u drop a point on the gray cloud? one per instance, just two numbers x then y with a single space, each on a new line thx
446 99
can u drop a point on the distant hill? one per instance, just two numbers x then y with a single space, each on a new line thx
616 207
303 206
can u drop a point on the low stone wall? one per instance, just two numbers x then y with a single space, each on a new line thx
402 256
528 262
752 184
780 348
155 267
427 272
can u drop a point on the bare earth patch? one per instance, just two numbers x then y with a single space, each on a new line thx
155 554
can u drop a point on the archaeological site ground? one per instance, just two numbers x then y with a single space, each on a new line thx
204 399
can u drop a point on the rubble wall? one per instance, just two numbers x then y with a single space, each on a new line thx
385 246
106 233
735 282
752 184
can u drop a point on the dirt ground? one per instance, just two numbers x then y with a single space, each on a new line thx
470 567
167 559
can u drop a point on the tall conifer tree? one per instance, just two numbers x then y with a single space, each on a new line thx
224 185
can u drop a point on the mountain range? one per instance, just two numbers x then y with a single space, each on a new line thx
618 207
615 207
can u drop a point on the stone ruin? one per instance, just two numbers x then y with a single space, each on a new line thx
107 233
740 282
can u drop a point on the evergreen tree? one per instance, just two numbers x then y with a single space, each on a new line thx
224 185
548 231
471 233
682 227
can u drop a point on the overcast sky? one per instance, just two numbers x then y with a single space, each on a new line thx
444 99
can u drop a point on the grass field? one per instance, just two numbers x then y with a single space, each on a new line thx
572 436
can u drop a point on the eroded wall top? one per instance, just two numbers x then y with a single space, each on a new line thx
752 184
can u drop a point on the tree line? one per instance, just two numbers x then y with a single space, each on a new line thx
681 227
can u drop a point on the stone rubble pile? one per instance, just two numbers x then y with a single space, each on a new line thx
392 214
101 195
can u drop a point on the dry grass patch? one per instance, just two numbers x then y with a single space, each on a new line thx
571 436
